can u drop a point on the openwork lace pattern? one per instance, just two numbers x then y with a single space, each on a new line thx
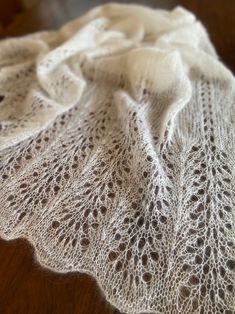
117 157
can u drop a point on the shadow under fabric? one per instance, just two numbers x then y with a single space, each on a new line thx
117 157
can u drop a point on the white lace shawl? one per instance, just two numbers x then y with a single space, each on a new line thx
117 157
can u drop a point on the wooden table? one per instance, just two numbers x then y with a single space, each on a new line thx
25 287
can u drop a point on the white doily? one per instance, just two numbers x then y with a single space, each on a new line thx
117 154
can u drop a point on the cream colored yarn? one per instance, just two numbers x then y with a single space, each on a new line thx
117 157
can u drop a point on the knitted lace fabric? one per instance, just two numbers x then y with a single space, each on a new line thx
117 154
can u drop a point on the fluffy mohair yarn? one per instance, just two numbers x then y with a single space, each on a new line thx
117 137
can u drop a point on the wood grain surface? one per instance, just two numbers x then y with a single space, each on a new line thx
26 287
